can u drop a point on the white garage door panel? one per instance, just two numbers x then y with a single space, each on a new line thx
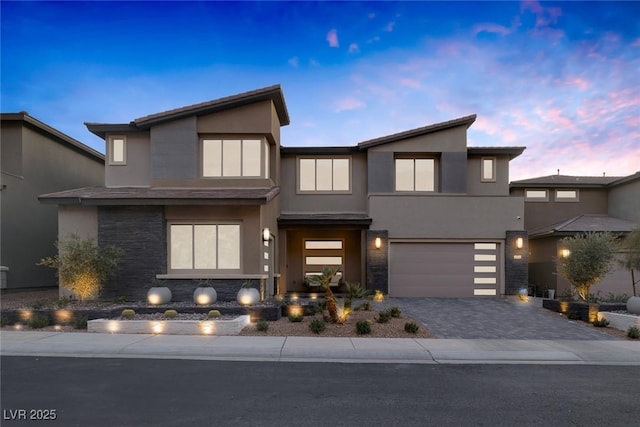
433 270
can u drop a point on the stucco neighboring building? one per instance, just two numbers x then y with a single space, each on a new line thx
189 193
35 159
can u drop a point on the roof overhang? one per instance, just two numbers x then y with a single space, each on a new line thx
360 220
512 152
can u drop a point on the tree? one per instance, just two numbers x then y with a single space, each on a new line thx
590 258
631 256
82 265
324 280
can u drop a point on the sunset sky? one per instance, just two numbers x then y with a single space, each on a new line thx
561 78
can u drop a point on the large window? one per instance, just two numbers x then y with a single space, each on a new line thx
117 150
320 174
323 253
235 158
204 247
415 174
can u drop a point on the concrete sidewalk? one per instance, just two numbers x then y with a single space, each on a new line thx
311 349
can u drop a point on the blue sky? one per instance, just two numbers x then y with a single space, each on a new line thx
561 78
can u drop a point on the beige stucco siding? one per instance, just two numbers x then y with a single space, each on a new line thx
448 140
137 170
258 118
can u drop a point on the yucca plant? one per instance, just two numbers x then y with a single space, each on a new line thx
324 280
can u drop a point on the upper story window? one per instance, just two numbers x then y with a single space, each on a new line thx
488 173
415 175
536 195
566 195
204 247
324 174
235 158
117 150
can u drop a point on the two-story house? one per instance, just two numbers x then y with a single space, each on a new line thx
559 206
35 158
189 193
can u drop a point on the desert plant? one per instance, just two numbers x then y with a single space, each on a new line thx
82 265
121 299
128 314
395 311
601 323
365 306
295 318
170 314
411 327
39 322
633 332
363 327
383 316
80 322
354 291
590 258
317 325
324 280
213 314
631 257
63 302
262 326
39 304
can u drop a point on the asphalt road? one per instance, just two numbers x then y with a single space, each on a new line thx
155 392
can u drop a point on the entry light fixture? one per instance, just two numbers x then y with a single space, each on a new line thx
378 243
564 253
266 234
519 243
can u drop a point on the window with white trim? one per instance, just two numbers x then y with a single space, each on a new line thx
117 150
235 157
488 173
415 174
536 195
566 195
324 174
204 247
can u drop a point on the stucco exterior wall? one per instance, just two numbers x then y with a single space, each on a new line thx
174 151
137 171
476 187
448 140
624 201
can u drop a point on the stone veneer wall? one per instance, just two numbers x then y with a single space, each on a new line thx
378 261
516 263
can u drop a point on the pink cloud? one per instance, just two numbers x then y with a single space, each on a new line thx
354 48
332 38
491 28
636 43
545 16
414 84
348 103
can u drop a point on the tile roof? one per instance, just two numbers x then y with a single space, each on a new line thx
584 223
161 196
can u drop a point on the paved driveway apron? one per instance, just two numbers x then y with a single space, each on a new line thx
469 318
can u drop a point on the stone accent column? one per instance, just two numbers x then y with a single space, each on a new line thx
516 262
377 261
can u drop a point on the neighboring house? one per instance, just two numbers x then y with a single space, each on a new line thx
189 192
560 206
36 159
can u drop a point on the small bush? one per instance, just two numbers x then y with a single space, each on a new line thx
365 306
262 326
573 315
40 304
395 312
601 323
170 314
411 327
63 302
317 325
121 299
633 332
384 317
213 314
296 318
363 327
80 322
128 314
38 322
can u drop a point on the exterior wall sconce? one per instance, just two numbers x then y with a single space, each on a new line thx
266 234
519 243
564 253
378 243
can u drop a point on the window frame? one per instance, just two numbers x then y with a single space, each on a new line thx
194 270
111 148
263 163
313 269
536 199
493 169
315 159
567 199
414 158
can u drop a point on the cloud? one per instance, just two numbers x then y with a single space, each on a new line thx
371 15
488 27
294 62
408 82
354 48
389 27
332 38
545 16
348 103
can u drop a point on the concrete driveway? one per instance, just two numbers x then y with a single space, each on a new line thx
493 318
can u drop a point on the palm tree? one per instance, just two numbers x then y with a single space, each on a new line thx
324 280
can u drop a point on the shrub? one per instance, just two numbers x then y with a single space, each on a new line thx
39 304
383 317
411 327
121 299
262 326
63 302
82 265
296 318
128 314
395 312
601 323
38 322
317 325
633 332
80 322
365 306
170 314
363 327
213 314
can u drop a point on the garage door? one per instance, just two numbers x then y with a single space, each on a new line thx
443 269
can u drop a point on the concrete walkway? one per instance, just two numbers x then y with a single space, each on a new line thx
493 318
304 349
